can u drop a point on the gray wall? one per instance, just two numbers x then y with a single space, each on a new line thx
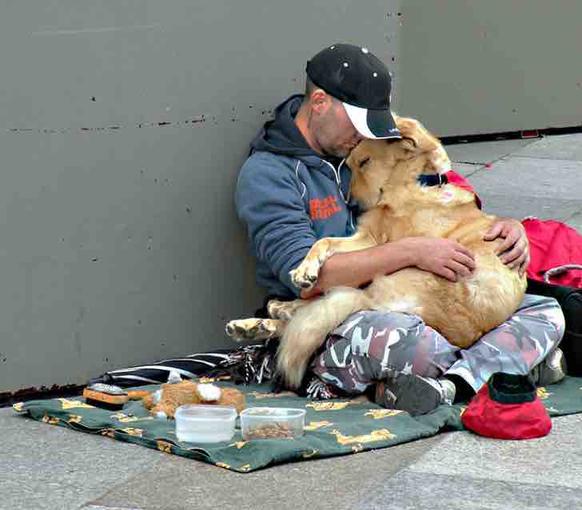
486 66
122 127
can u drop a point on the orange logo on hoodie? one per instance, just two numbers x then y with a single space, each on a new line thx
323 208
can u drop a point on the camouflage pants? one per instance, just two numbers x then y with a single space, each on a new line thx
370 345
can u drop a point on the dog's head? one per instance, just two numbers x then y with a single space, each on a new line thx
377 164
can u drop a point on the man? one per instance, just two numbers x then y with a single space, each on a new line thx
294 190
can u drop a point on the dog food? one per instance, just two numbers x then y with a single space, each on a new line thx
272 423
270 431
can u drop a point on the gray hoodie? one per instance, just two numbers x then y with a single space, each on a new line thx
288 196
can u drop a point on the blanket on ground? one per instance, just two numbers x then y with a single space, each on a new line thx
332 427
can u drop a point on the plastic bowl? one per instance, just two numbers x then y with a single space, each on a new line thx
272 423
205 424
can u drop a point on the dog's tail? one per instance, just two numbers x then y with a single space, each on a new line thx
308 328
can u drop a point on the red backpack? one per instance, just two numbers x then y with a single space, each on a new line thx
556 252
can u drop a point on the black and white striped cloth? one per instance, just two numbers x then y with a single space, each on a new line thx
251 364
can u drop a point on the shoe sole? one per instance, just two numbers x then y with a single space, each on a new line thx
412 394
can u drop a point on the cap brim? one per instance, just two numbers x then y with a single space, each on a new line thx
374 124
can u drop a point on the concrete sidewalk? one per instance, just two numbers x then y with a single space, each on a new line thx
50 467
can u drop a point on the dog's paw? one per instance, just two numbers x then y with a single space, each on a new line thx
282 310
305 276
251 329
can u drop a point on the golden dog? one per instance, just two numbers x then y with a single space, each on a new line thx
384 181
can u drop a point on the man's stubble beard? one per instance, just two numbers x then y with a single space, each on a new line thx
329 150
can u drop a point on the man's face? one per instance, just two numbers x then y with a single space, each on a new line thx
332 129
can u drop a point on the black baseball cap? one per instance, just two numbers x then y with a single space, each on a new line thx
362 82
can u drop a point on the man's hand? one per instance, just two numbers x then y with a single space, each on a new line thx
514 250
442 257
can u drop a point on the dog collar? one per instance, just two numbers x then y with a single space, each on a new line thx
432 179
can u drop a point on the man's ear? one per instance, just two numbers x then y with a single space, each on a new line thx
320 100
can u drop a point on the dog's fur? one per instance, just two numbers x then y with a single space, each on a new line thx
384 182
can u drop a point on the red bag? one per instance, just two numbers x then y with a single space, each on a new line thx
556 252
507 407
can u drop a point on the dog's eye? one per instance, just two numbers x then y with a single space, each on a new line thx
364 161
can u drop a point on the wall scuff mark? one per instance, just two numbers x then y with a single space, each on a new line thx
200 119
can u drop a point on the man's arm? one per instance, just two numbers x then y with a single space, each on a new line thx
269 201
440 256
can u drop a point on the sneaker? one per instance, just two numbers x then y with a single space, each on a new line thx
551 370
413 393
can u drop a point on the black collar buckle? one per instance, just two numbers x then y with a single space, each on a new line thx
432 179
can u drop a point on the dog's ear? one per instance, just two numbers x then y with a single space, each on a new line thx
409 129
415 138
409 144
